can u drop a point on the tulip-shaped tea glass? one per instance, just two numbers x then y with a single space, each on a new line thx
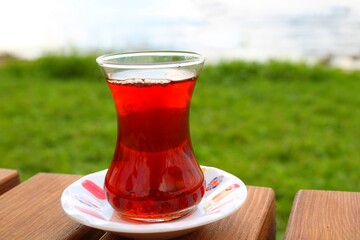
154 175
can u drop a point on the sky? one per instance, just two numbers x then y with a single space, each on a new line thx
257 27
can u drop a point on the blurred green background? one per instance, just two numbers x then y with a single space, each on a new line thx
287 126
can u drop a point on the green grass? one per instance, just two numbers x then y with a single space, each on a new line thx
281 125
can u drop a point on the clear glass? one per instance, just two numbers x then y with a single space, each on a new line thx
154 175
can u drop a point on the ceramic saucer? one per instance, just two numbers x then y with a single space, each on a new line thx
84 201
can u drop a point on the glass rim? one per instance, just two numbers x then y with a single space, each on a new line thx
105 60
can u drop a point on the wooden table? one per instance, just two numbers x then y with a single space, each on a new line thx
32 210
8 179
325 215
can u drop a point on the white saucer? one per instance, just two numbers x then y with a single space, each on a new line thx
84 201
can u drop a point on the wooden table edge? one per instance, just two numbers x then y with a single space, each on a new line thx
9 178
270 219
296 206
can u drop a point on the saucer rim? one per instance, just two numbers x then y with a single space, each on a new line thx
168 226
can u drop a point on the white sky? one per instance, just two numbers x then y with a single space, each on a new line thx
31 27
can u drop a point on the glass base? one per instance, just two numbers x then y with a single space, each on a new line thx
161 217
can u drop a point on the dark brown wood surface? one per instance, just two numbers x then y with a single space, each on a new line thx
33 211
8 179
325 215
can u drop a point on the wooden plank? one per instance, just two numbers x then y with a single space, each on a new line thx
34 211
254 220
8 179
324 215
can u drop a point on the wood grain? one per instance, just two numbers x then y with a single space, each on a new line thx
33 211
254 220
8 179
324 215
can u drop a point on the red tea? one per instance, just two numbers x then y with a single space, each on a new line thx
154 173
